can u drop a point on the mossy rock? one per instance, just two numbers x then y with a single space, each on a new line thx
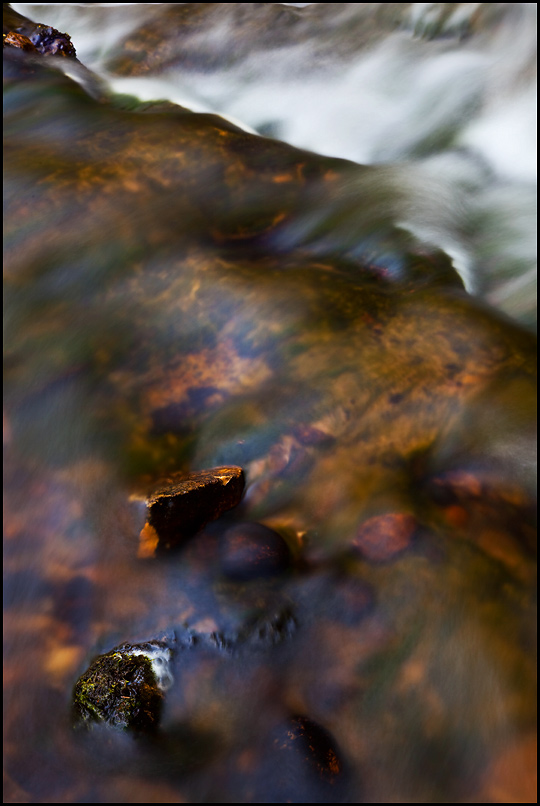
121 689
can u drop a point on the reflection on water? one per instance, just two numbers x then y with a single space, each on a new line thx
182 294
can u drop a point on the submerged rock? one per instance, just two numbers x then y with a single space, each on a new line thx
306 759
124 688
252 550
383 537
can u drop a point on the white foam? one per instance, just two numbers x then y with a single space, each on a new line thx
160 658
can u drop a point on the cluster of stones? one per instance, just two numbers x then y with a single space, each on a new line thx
125 687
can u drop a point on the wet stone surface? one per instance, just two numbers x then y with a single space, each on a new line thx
19 32
179 506
123 688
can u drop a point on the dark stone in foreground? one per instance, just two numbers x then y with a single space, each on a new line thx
252 550
306 762
179 506
121 689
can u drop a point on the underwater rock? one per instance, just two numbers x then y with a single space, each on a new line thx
124 688
180 505
306 760
252 550
384 536
51 42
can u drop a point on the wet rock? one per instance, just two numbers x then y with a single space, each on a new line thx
252 550
51 42
124 688
20 32
14 40
385 536
306 763
180 505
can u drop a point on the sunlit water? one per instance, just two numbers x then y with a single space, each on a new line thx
445 93
172 303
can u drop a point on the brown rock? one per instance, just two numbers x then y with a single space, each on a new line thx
15 40
180 505
382 537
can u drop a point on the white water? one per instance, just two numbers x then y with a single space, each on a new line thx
443 93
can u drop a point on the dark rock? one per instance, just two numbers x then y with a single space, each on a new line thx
20 32
180 505
124 688
306 763
252 550
51 42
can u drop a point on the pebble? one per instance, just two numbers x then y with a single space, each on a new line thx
383 537
251 551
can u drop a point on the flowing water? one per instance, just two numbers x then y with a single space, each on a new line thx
316 263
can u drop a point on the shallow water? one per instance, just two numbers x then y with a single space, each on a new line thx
181 294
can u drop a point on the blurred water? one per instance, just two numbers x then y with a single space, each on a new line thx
180 294
447 92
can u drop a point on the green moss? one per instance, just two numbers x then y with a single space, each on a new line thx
119 689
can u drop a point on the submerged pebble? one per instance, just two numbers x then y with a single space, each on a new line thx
252 550
385 536
307 763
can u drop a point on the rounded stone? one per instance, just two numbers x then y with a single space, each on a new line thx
251 551
121 689
306 763
385 536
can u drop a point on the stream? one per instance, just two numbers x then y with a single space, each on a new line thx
299 240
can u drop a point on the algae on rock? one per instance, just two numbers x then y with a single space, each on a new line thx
122 688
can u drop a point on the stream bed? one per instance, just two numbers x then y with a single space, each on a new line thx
295 240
